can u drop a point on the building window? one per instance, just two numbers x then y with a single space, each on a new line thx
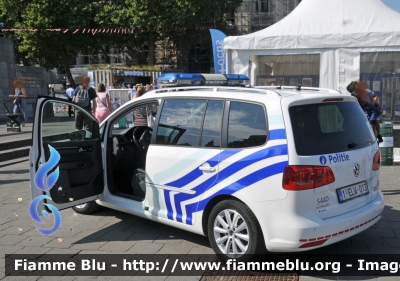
262 6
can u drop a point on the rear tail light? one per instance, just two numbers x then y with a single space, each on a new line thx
306 177
377 161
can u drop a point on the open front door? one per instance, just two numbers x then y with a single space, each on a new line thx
66 157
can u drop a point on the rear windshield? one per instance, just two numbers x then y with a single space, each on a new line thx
324 128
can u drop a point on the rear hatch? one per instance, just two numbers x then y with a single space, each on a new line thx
335 133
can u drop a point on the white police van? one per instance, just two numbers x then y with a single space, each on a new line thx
277 169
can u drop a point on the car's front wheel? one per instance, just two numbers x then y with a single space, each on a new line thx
86 208
234 232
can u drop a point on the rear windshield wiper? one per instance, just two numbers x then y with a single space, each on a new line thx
354 145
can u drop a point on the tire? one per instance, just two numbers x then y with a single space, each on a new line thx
86 208
252 249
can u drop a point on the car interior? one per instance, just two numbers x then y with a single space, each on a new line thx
126 154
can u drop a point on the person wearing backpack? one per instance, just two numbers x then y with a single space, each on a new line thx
82 97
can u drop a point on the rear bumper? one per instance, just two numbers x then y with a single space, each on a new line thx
293 233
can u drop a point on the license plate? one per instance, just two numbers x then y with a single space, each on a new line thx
352 191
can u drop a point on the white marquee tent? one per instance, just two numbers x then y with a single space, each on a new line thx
325 43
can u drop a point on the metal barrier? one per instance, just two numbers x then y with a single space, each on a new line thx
386 146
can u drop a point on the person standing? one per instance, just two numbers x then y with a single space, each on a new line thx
20 101
52 93
148 87
369 103
70 95
156 85
140 113
81 118
102 108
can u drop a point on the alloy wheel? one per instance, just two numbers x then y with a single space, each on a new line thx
231 233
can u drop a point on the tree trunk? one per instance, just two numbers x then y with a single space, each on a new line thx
150 41
65 62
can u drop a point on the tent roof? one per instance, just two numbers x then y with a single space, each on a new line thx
327 24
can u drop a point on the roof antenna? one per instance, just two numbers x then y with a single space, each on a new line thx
298 88
280 86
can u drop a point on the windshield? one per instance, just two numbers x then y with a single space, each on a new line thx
324 128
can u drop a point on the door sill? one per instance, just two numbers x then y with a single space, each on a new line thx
128 196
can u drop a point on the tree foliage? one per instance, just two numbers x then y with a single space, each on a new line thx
152 20
157 19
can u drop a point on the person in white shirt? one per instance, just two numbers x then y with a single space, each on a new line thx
70 95
156 85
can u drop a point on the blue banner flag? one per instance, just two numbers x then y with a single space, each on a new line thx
217 37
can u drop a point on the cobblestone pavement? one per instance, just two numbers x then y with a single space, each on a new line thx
109 231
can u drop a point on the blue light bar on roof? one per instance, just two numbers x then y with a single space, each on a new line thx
236 77
196 79
180 79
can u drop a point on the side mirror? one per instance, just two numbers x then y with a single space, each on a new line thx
77 135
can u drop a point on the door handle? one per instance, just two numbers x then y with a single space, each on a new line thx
85 149
206 168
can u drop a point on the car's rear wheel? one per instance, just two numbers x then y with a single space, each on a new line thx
234 232
86 208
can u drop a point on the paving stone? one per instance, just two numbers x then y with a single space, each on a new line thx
393 218
6 250
383 250
352 249
14 230
201 250
120 246
379 232
142 228
388 225
91 224
115 236
9 239
173 248
38 251
65 243
59 251
391 242
145 248
35 241
119 226
344 242
88 245
171 237
143 237
366 240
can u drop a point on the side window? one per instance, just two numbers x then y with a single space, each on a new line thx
143 115
180 122
57 126
247 125
211 135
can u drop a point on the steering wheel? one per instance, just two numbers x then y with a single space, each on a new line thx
138 136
